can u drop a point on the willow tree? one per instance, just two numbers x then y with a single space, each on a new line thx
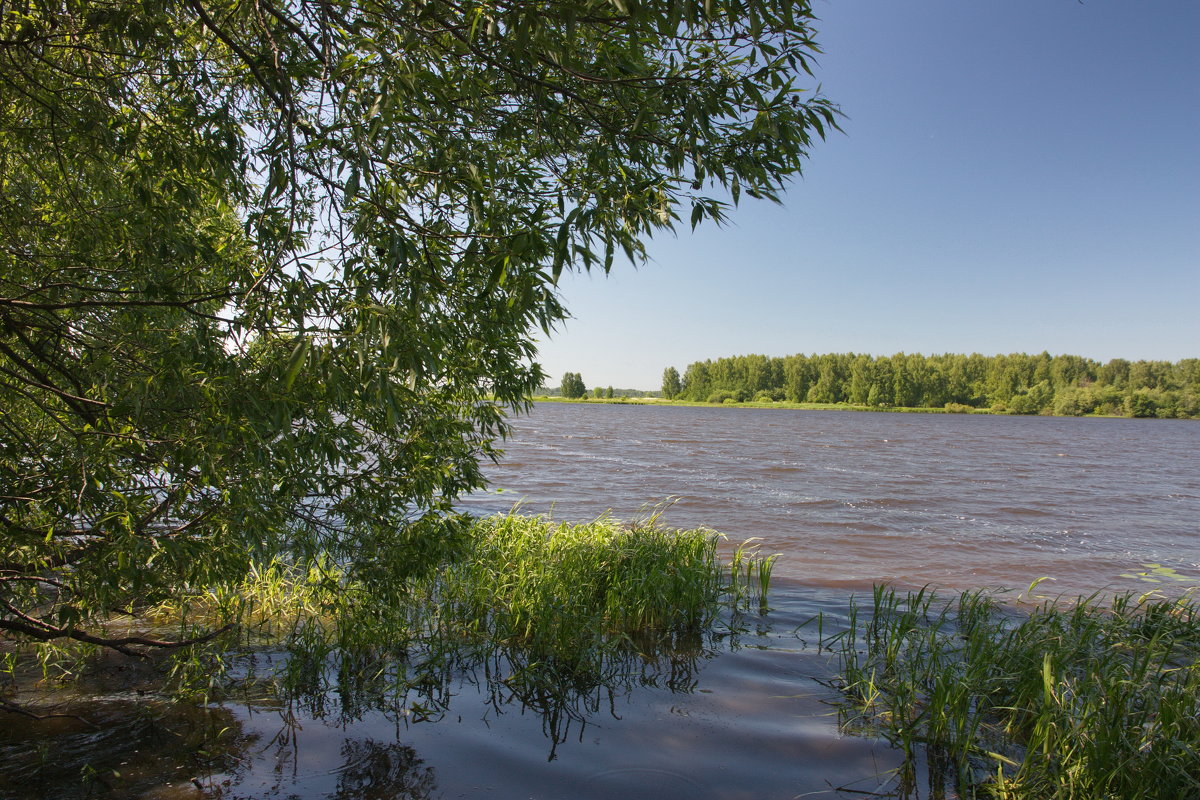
269 271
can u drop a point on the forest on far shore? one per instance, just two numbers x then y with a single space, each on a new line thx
1017 383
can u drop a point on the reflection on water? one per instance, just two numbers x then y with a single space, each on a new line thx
428 685
119 746
369 770
732 714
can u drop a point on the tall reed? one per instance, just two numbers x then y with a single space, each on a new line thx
558 603
1084 701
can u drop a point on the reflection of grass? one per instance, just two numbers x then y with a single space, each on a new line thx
545 612
1080 702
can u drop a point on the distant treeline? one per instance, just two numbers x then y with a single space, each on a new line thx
556 391
1017 383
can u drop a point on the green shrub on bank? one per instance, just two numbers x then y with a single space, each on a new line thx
1079 702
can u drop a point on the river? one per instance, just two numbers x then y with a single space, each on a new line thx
852 499
846 499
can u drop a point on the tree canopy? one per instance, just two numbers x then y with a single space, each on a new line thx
269 271
672 385
573 386
1018 383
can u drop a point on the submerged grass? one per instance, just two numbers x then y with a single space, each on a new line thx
1085 701
544 602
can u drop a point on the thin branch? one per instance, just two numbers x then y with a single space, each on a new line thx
44 632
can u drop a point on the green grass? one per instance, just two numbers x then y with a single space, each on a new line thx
550 609
1082 702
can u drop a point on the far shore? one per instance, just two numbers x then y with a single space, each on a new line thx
783 404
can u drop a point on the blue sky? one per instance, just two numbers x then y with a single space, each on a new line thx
1014 176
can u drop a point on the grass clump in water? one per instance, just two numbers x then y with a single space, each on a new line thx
560 588
521 599
1063 702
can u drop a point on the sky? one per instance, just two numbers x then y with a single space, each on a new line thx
1013 176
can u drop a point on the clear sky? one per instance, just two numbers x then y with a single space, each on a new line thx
1014 176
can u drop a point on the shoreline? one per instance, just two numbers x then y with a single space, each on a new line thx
785 405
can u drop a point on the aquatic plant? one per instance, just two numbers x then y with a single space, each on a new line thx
556 603
1078 701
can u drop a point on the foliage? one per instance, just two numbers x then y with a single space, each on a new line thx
671 384
269 270
573 387
1016 383
544 618
557 598
1065 702
555 391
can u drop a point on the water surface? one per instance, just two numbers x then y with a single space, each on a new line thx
745 714
847 499
851 499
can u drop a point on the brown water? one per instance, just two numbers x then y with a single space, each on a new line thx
851 499
847 499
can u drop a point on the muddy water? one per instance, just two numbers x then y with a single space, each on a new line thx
851 499
847 499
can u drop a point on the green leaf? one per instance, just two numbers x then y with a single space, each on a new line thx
295 362
364 186
561 251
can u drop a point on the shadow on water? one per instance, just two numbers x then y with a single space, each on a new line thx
116 747
739 711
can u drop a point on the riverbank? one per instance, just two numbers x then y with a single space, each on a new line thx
951 408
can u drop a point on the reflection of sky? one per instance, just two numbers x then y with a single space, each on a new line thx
733 713
741 717
1014 177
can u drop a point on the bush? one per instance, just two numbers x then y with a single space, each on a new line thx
1074 402
1141 404
1189 405
720 397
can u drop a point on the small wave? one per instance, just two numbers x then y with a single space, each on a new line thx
644 778
886 502
1022 511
